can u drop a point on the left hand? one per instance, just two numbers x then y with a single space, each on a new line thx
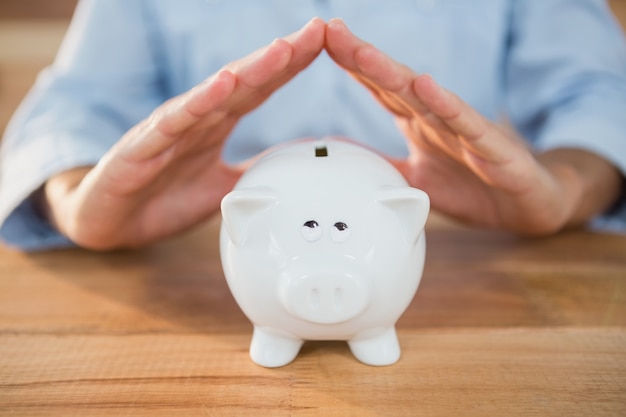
166 174
472 169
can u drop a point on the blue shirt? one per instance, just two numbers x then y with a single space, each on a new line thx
555 69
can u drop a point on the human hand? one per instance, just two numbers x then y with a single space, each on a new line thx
472 169
166 174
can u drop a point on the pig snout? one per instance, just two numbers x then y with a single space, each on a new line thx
324 297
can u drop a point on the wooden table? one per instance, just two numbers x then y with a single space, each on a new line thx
500 326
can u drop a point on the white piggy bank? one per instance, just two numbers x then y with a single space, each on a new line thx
323 240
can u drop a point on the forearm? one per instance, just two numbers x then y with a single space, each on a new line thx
592 183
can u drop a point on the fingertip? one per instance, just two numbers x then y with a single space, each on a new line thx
226 79
278 43
424 83
263 64
452 110
341 43
316 21
222 84
335 25
367 57
305 44
281 50
336 22
431 94
212 93
316 24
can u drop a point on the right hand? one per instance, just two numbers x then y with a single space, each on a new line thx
166 174
472 169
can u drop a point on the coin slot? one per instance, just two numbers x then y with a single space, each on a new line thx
321 152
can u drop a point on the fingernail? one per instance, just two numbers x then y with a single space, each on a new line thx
315 19
337 21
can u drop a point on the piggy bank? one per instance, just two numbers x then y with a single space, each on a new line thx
323 240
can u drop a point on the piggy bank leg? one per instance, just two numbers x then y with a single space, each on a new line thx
271 348
378 348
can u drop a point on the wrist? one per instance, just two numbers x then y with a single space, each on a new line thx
55 200
591 184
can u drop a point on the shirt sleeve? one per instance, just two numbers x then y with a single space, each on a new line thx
104 80
565 82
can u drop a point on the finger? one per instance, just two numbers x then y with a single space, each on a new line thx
184 111
233 91
307 43
251 76
429 134
259 77
165 125
257 68
477 135
389 81
209 100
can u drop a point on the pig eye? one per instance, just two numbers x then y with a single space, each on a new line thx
340 232
311 230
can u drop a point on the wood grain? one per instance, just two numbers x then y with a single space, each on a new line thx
500 326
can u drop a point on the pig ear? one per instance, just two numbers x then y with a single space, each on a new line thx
239 206
411 206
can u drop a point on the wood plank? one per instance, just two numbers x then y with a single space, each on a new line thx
471 372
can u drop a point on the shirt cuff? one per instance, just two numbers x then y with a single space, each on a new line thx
25 229
24 168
